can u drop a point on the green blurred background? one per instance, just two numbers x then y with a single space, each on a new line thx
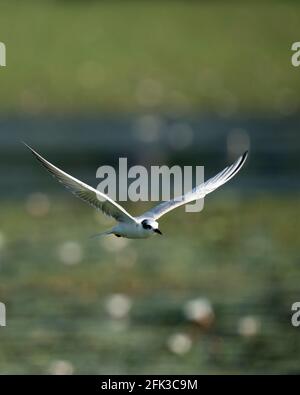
161 82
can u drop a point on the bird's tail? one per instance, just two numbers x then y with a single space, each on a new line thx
107 232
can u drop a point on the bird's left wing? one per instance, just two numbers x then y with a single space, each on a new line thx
198 192
90 195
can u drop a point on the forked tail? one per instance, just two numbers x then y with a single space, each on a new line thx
107 232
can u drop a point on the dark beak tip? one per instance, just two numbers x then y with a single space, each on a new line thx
158 231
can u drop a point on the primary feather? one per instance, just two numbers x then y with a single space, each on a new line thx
88 194
198 192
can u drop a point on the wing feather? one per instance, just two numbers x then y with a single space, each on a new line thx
92 196
198 192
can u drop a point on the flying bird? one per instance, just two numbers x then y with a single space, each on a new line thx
145 225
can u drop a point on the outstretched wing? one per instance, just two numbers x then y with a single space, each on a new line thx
90 195
198 192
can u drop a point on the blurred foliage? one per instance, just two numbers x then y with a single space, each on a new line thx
116 306
106 56
241 255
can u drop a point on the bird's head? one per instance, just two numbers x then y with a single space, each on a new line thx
151 225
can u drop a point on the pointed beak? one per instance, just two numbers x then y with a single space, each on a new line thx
158 231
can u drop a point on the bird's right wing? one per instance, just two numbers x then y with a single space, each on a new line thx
90 195
198 192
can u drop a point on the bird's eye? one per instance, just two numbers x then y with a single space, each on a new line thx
146 226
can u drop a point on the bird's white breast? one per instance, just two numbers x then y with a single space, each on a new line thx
132 231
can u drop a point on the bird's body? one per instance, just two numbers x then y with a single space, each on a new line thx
146 225
131 231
